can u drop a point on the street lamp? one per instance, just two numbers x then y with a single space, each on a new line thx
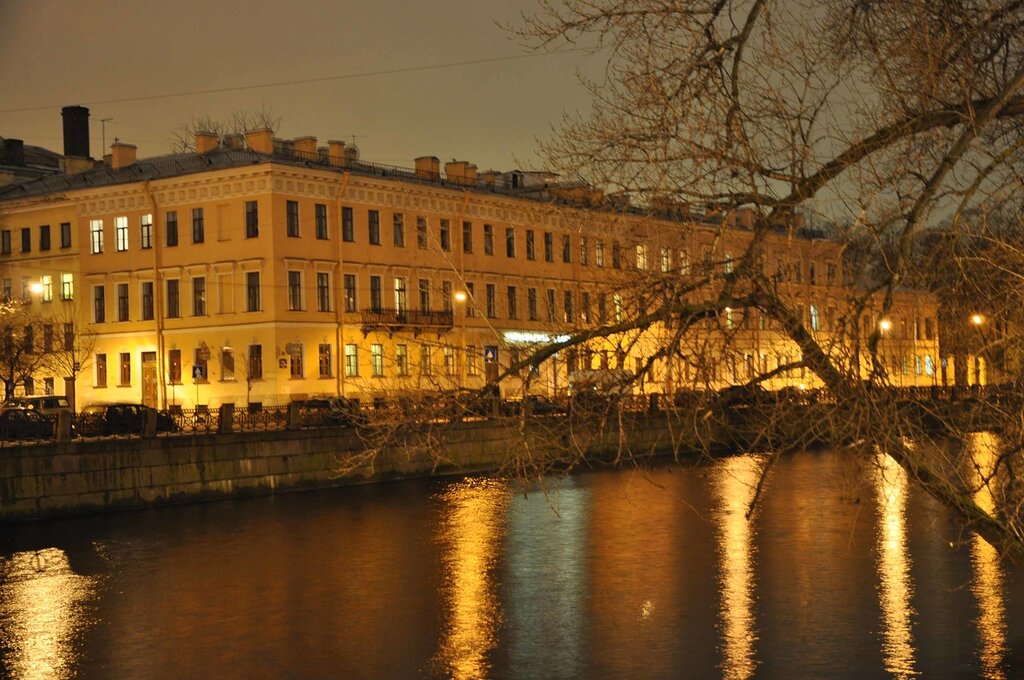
977 319
460 296
36 287
885 325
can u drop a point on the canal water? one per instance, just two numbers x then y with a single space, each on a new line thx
845 570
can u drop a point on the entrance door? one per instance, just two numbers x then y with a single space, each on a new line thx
149 379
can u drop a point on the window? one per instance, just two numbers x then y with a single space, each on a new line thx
320 212
467 237
69 337
549 247
402 359
122 302
295 368
351 360
350 292
323 292
174 366
95 237
492 307
47 281
124 374
147 300
295 291
551 304
67 286
5 242
616 256
830 273
815 321
424 289
227 364
599 254
26 240
531 246
398 223
566 249
252 219
98 304
325 362
171 228
812 274
146 232
510 242
531 304
446 296
641 256
400 296
252 291
48 338
292 219
470 300
255 362
726 262
348 225
173 299
585 307
65 234
567 308
101 370
488 239
584 255
445 236
377 359
44 237
199 296
617 302
421 232
512 295
373 225
449 359
425 367
471 364
375 294
198 234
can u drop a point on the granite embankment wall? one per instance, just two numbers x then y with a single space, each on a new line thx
67 478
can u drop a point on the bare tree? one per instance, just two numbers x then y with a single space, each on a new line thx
71 351
183 139
21 335
889 116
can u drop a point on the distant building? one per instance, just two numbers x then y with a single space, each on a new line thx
263 270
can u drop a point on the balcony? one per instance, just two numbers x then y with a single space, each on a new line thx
392 320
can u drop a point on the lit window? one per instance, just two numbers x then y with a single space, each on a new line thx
351 360
326 363
47 282
641 256
377 359
146 232
95 237
401 359
121 233
67 286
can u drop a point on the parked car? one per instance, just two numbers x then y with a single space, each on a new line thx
539 405
331 411
23 423
49 405
107 419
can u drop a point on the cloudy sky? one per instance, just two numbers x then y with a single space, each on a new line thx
130 61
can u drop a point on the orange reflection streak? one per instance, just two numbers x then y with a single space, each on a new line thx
987 584
472 533
734 486
894 569
40 611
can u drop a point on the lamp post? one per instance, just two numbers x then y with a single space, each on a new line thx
978 321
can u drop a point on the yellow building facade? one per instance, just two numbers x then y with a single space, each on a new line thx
263 271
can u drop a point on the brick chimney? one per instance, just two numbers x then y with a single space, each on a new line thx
335 152
306 147
261 141
14 152
76 131
122 155
455 171
428 167
206 141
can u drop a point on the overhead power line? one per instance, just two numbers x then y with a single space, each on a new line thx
304 81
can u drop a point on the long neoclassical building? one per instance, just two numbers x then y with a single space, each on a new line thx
260 270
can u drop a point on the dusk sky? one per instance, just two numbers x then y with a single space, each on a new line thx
57 53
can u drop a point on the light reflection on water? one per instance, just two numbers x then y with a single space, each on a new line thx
471 530
896 588
41 612
987 585
735 484
619 574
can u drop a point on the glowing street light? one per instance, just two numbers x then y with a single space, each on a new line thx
977 319
885 325
36 287
460 296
